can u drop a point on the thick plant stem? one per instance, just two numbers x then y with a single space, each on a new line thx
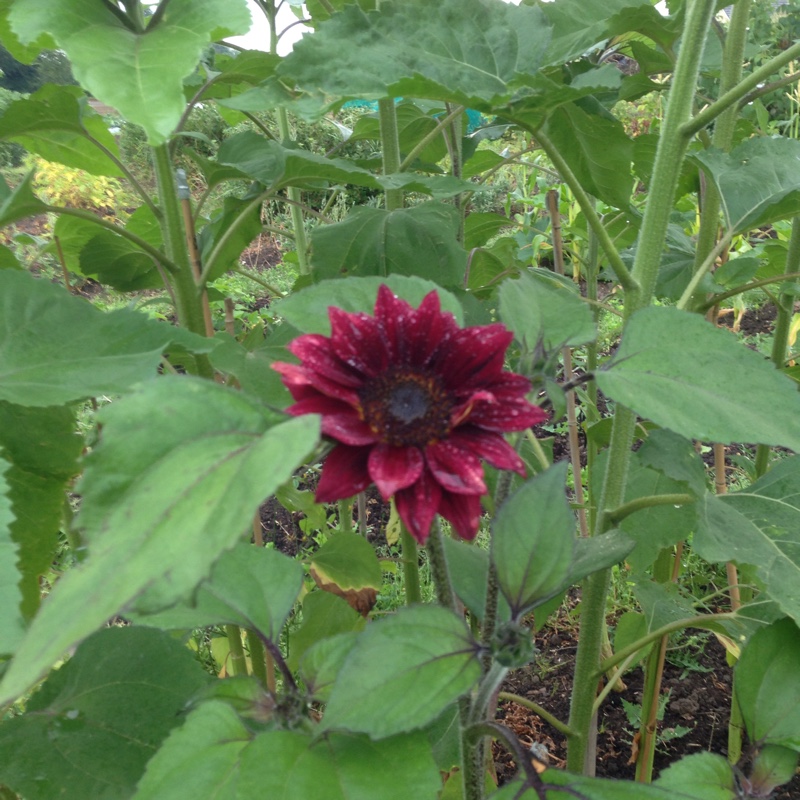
780 337
669 156
410 559
292 192
439 569
257 658
187 293
238 660
390 143
723 130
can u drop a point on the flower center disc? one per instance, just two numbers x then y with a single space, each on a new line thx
406 409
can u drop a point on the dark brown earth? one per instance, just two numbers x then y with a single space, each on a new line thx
697 678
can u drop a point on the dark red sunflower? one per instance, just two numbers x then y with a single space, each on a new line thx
414 403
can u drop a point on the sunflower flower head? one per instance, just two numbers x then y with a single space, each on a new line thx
413 403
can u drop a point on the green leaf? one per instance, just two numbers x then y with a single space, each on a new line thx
349 561
676 369
56 348
92 727
200 759
7 259
579 25
307 310
480 227
465 51
759 526
598 789
419 241
469 571
676 458
12 625
119 263
20 202
768 685
403 672
43 449
338 767
160 513
758 181
249 586
540 308
228 234
533 541
56 123
596 553
138 73
347 566
706 776
322 662
253 367
597 149
324 615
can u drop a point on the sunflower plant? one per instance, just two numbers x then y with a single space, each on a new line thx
417 353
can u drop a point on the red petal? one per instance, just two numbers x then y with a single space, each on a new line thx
504 416
316 353
474 356
490 446
348 428
455 469
417 506
344 474
394 316
297 379
358 341
429 330
394 468
463 512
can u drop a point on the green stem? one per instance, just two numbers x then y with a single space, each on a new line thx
390 143
238 662
703 621
616 515
439 569
346 515
257 658
587 206
560 726
188 297
669 157
720 298
783 324
429 137
410 559
710 113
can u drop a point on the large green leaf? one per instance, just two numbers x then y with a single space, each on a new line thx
597 149
249 586
533 540
758 181
324 615
12 625
138 73
307 309
20 202
403 672
678 370
200 759
420 241
768 685
322 661
467 51
338 767
706 776
56 123
213 756
759 526
158 517
541 309
223 239
43 449
56 348
94 724
579 25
